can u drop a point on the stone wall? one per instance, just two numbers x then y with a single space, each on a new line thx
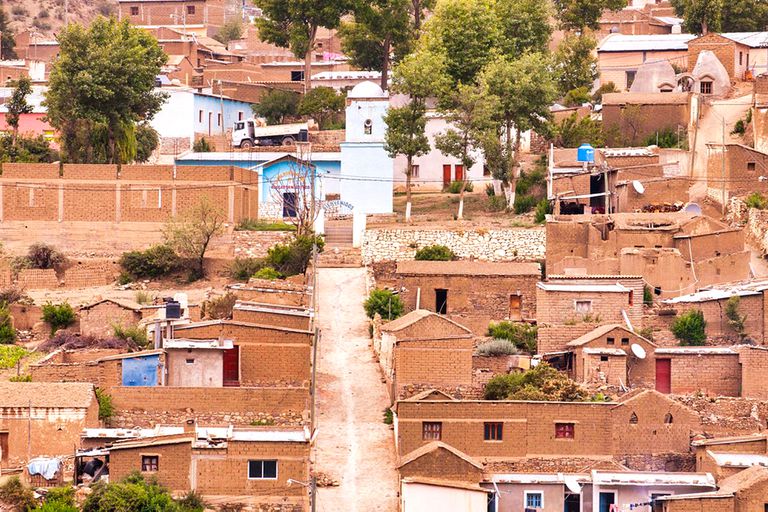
516 244
755 223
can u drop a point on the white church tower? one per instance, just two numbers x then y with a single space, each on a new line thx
366 169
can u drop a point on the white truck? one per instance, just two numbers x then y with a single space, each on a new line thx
255 132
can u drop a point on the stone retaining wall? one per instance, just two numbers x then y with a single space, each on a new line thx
755 222
516 244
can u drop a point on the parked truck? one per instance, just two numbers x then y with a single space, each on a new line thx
254 132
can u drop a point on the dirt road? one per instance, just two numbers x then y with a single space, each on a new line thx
354 445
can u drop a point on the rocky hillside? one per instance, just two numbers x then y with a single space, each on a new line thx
47 16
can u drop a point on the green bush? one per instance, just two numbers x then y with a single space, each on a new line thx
192 502
524 203
293 258
543 208
58 316
243 268
22 377
757 200
489 190
10 355
497 203
7 332
647 295
455 187
690 328
521 334
739 128
736 320
16 495
258 225
268 273
134 493
541 383
106 409
668 138
44 256
64 496
132 333
157 261
435 253
203 145
388 305
497 347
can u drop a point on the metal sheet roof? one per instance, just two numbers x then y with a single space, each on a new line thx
652 478
739 460
751 39
593 288
650 42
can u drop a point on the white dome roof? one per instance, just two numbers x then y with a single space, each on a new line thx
366 89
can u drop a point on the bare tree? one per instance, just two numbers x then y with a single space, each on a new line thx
292 191
190 234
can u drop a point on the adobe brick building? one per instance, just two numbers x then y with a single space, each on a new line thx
422 347
292 317
738 52
631 118
173 12
726 456
746 491
43 419
472 293
740 174
99 318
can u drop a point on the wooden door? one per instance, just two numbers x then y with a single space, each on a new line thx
459 172
4 447
232 367
515 307
664 375
446 174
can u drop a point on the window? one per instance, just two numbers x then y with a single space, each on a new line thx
583 307
239 126
493 431
750 166
631 297
149 462
262 469
741 56
431 430
603 359
705 87
534 499
414 171
189 361
134 10
610 341
668 418
630 75
564 430
218 119
633 419
190 9
239 115
625 341
199 116
515 307
368 127
441 301
297 76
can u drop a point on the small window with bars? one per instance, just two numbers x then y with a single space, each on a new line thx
564 430
431 430
150 463
493 431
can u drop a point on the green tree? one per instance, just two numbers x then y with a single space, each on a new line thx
102 85
388 305
574 131
701 16
575 64
276 105
523 89
231 30
26 149
541 383
470 120
294 25
17 104
418 77
578 15
7 39
380 28
322 103
690 328
147 140
524 26
190 233
744 16
417 11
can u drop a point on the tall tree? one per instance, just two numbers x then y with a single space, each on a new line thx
523 90
418 77
18 105
575 64
524 26
703 16
322 103
743 16
293 24
7 39
276 105
578 15
470 120
101 85
380 28
417 10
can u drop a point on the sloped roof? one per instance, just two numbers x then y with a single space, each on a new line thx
730 440
123 303
738 460
751 39
744 479
429 394
74 395
441 482
433 447
414 317
597 332
636 43
468 268
151 441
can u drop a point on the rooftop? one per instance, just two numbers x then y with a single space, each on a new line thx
739 460
646 98
650 42
589 288
468 268
653 478
73 395
415 316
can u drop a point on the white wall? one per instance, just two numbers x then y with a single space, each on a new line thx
422 497
175 117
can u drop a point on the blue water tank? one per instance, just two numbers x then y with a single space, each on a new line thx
585 153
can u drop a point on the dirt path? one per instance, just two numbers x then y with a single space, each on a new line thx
354 446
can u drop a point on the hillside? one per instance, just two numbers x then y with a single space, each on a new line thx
47 16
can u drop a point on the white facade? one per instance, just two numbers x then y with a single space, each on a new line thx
175 117
366 169
420 497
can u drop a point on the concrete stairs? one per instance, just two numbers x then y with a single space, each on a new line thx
339 257
338 235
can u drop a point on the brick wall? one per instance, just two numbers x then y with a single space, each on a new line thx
553 338
608 369
444 463
172 468
724 504
717 323
271 318
438 362
558 307
754 380
713 374
37 279
724 49
100 319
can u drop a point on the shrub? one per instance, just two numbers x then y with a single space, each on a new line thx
142 297
384 302
10 355
243 268
58 316
522 335
268 273
739 128
609 87
690 328
736 320
203 145
668 138
22 377
12 295
62 495
542 383
14 493
131 333
293 258
524 204
435 253
220 308
646 332
455 187
106 409
133 493
647 295
258 225
43 256
7 332
159 260
757 200
497 203
192 502
577 97
497 347
489 190
388 416
543 208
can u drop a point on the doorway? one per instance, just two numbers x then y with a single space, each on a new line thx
231 367
446 175
572 503
664 375
459 172
515 307
597 186
606 500
3 447
441 301
289 204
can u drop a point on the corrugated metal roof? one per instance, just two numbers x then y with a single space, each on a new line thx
605 351
707 295
593 288
695 351
650 42
652 478
739 460
751 39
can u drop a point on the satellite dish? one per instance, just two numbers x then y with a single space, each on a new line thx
638 351
639 188
692 208
572 484
535 360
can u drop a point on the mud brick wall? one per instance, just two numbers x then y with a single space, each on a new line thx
172 467
33 171
444 463
205 173
271 318
724 504
88 273
100 319
37 279
440 362
553 338
107 374
754 379
27 201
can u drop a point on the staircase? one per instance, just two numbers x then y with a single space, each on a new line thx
338 234
339 257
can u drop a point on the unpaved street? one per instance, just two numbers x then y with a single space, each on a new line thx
354 445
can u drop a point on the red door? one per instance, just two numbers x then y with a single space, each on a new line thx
459 172
232 366
664 375
446 175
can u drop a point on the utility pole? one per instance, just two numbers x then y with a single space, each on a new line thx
221 106
722 169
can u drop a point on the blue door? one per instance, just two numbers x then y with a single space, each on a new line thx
141 371
606 500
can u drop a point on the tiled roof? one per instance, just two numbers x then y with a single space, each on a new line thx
468 268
